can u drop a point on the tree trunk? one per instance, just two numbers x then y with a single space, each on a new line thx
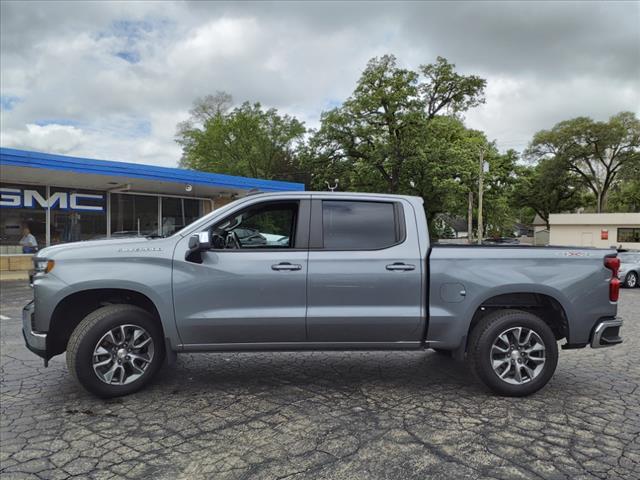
603 201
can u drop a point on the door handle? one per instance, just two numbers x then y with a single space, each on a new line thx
400 267
286 266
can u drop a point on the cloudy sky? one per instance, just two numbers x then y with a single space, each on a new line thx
112 80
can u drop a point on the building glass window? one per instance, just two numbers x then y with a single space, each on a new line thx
629 235
133 215
77 215
178 213
23 218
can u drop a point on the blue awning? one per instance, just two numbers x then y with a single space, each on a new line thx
10 157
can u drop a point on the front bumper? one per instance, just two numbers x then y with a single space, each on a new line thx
606 333
35 341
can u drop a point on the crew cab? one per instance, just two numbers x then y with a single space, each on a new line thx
317 271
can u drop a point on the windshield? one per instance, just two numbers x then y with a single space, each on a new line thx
205 218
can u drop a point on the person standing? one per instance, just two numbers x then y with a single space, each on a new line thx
28 241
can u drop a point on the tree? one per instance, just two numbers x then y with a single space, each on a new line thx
204 109
373 132
247 140
500 182
548 187
625 195
382 127
595 151
445 168
446 91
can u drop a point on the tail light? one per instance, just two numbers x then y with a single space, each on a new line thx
612 262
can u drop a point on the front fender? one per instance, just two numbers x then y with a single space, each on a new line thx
150 277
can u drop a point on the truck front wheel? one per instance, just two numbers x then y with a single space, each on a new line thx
115 350
513 352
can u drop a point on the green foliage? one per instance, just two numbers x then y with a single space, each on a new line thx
442 230
378 139
367 140
548 187
500 183
446 91
595 151
625 195
247 140
399 133
275 221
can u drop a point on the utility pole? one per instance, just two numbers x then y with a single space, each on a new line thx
480 187
470 218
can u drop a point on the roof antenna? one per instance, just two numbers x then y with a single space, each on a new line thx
332 189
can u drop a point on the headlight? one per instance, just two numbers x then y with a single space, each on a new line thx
43 265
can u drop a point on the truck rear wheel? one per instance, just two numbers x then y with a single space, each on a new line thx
513 352
115 350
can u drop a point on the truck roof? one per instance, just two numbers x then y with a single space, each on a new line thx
338 194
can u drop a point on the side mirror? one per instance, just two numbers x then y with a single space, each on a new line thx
200 241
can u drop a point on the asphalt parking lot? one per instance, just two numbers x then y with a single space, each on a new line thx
383 415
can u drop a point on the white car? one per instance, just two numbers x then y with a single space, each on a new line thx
629 272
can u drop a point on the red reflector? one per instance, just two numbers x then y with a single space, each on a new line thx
614 289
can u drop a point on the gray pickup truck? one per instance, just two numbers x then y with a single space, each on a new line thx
317 271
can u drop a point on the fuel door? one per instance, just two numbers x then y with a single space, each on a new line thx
452 292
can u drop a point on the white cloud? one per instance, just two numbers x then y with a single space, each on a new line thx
91 143
49 138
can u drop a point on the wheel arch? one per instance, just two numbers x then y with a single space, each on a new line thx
545 305
70 311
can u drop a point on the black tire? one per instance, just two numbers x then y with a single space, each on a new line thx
487 331
631 280
92 328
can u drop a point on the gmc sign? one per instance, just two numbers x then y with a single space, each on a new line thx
24 198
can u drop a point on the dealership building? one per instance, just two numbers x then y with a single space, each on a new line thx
66 199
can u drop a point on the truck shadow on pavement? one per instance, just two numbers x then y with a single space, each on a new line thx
322 370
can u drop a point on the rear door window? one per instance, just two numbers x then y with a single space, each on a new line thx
358 225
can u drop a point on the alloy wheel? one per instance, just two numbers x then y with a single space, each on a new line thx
518 355
123 354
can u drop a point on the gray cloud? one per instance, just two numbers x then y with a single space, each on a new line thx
111 80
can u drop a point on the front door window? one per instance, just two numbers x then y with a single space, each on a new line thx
270 225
